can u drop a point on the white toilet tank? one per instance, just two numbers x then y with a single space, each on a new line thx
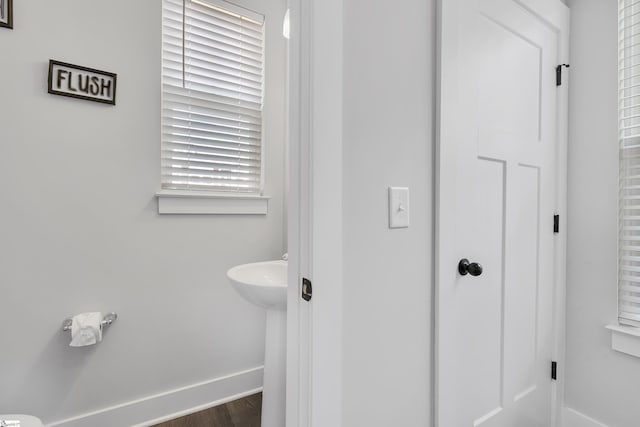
18 420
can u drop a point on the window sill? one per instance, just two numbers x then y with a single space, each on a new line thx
200 203
625 339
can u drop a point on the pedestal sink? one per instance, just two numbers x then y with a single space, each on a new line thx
265 285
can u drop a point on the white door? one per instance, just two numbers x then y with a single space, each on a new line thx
496 200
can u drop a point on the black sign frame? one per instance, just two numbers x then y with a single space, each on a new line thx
7 5
106 74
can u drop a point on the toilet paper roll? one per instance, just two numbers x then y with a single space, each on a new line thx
86 329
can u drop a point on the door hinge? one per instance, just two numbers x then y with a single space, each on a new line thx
556 223
554 370
559 73
307 289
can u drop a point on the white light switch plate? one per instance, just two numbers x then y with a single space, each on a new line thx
398 207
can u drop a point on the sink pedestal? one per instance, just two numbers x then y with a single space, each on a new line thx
274 387
265 285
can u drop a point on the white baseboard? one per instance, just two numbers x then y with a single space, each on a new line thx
172 404
573 418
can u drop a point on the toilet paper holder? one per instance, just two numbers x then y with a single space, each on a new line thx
107 320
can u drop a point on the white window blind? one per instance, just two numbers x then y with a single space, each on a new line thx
629 143
212 97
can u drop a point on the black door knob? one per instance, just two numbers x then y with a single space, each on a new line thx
465 267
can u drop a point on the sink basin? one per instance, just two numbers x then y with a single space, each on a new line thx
261 283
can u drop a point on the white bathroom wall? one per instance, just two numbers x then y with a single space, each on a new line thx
79 229
600 383
389 67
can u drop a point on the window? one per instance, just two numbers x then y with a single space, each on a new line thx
212 98
629 143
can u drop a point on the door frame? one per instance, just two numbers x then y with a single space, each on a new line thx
298 238
560 23
314 329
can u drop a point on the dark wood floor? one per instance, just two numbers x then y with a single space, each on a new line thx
239 413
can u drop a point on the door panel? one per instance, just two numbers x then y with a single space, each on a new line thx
497 163
521 300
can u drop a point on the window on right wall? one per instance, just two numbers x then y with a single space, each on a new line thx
629 145
212 98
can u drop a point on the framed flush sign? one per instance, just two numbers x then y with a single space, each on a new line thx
81 82
6 13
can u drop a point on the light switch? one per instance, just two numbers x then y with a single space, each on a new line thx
398 207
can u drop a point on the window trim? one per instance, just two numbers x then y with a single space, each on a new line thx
625 339
203 203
